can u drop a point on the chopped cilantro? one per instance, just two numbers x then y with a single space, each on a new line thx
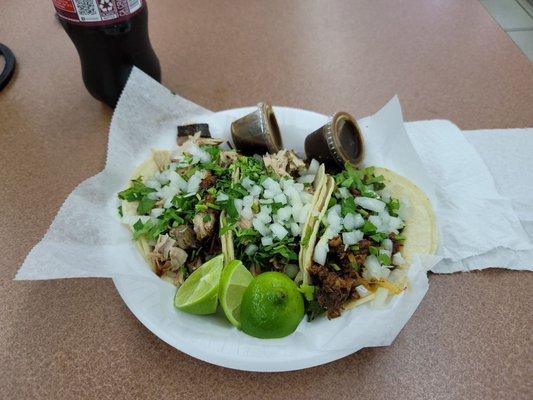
378 237
399 237
150 230
313 310
308 291
206 218
393 206
120 211
145 205
355 266
374 250
348 206
368 228
136 191
384 259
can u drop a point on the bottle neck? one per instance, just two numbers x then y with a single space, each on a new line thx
97 12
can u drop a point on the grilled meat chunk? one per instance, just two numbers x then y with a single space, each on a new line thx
332 290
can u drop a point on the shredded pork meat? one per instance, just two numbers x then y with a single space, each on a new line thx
332 290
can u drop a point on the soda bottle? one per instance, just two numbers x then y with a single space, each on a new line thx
111 36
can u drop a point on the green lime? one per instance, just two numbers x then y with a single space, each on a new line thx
199 293
272 306
234 280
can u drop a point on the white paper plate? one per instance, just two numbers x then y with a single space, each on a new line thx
214 340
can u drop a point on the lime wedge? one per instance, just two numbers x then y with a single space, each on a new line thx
234 280
199 293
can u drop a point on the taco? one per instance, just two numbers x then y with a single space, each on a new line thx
270 205
170 205
371 224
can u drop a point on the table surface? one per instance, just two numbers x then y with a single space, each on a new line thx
470 337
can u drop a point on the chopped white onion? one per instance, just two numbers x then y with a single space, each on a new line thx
334 221
352 221
194 182
299 187
387 244
154 195
296 210
321 252
271 185
353 237
295 229
370 204
304 213
280 198
132 219
306 178
238 205
177 181
387 253
260 227
313 167
247 213
197 153
329 234
362 291
278 231
256 190
266 201
344 192
306 197
156 212
335 209
247 183
264 217
374 269
152 183
266 241
268 194
385 194
248 200
222 197
397 259
284 213
250 249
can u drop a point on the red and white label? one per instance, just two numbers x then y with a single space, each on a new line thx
97 12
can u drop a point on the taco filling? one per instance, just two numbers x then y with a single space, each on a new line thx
267 209
360 241
171 206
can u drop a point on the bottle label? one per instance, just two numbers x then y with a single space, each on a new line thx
97 12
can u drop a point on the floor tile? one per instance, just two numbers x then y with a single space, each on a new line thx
509 14
524 40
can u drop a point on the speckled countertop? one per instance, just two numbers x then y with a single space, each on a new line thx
68 339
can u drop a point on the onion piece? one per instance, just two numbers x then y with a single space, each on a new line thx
370 204
266 240
278 231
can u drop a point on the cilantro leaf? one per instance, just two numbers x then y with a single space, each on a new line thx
368 228
374 250
393 207
145 205
313 310
308 291
136 191
384 259
348 206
